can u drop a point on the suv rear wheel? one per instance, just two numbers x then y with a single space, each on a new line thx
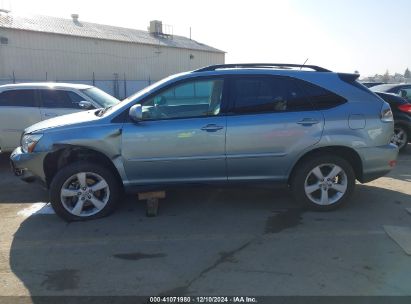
83 191
323 183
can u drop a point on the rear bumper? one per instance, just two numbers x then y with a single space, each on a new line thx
377 161
28 166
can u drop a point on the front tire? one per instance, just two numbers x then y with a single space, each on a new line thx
84 191
323 183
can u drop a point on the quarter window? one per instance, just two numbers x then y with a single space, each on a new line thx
190 99
267 95
18 98
320 97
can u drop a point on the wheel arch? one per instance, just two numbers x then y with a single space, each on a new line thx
66 154
344 152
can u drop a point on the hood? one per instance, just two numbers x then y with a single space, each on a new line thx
64 120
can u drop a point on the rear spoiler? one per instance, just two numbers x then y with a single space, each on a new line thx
351 79
347 77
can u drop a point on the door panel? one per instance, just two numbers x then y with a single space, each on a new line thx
55 103
13 121
47 113
174 150
18 110
182 136
262 146
272 121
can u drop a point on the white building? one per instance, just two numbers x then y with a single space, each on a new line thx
118 60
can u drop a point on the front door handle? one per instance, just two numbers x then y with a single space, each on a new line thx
212 128
308 121
50 114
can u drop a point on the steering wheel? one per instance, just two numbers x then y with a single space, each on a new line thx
158 113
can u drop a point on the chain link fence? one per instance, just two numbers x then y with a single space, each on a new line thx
119 87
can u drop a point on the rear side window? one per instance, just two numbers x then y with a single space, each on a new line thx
405 92
267 95
321 98
57 99
18 98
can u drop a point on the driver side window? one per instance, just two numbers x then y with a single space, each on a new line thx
190 99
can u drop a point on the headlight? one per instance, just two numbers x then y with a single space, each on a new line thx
29 141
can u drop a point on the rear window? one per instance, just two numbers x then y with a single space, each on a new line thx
18 98
383 88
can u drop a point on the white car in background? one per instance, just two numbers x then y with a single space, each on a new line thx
24 104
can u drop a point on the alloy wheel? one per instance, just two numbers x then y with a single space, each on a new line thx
326 184
85 194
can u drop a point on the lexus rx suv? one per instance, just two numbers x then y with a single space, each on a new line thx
304 126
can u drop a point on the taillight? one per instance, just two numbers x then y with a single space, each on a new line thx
405 108
386 113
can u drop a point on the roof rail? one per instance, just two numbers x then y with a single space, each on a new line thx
260 65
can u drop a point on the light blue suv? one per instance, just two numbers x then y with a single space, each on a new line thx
304 126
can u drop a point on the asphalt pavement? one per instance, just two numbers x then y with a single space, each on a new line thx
248 240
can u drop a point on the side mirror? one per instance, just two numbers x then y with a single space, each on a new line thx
136 113
85 105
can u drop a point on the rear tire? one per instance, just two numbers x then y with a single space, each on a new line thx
323 182
84 191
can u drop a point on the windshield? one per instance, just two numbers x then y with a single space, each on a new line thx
102 98
138 94
382 87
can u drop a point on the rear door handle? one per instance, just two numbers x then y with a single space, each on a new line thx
212 128
308 122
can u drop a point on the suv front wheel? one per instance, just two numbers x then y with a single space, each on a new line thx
323 183
83 191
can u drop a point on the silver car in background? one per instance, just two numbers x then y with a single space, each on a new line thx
312 129
24 104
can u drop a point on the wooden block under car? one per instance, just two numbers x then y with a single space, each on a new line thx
154 194
152 200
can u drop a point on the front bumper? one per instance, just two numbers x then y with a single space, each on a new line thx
377 161
28 166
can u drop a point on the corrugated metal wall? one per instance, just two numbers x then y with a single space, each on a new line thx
34 56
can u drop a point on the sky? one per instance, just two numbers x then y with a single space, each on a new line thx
370 36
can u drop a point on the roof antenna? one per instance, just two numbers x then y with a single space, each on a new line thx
303 64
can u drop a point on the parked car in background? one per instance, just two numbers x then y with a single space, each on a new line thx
371 84
22 105
316 131
403 90
401 109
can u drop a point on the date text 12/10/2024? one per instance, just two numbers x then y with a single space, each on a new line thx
198 299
